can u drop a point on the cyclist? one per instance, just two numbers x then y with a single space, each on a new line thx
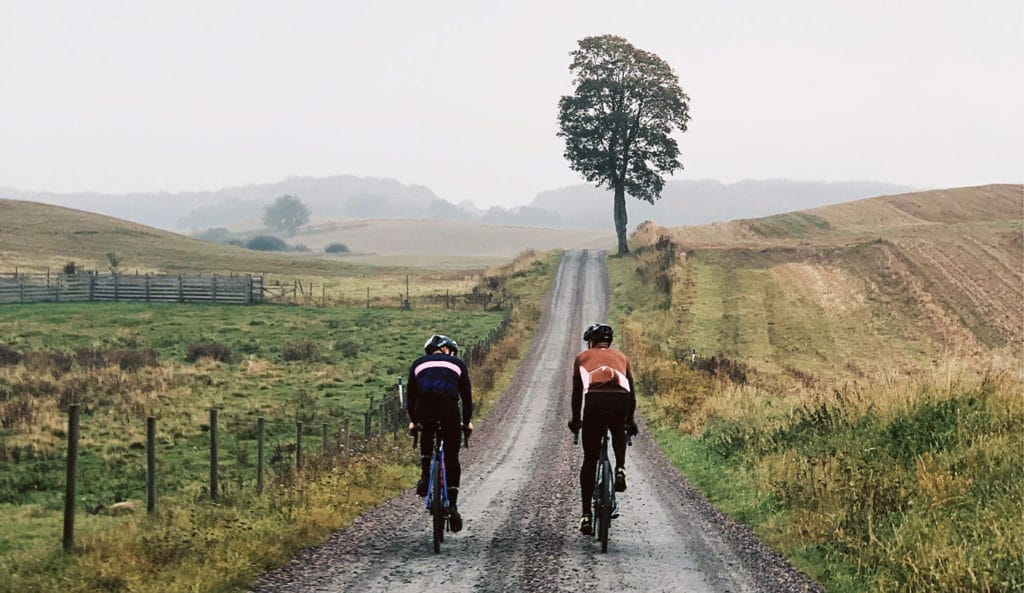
604 377
438 381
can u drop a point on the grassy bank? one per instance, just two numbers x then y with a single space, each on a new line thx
880 468
285 363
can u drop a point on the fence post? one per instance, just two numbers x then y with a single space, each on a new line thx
181 289
92 287
298 444
213 453
150 465
69 484
117 285
348 438
323 444
259 454
383 416
367 297
366 426
214 284
147 287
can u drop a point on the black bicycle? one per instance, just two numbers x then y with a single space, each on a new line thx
604 505
436 501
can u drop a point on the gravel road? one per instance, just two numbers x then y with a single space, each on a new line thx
520 502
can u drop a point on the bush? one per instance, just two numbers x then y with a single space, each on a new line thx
57 363
301 350
70 268
9 356
347 349
336 248
133 360
214 350
720 365
266 243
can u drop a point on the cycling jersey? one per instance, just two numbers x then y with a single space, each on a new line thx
437 383
439 377
601 370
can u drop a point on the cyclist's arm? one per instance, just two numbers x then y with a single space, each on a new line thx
632 393
577 391
466 394
411 394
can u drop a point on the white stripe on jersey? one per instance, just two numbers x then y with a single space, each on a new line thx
433 364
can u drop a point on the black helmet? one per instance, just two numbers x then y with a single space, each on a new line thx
435 342
599 332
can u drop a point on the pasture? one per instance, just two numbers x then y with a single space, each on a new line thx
126 361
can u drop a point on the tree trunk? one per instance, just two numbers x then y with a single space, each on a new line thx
620 218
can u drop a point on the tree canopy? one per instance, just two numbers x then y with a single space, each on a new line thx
618 122
287 213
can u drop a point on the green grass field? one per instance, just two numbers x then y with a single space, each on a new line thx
124 362
359 354
857 396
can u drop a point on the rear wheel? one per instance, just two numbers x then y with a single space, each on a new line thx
436 506
605 512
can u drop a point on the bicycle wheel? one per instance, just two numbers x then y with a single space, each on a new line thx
606 504
436 506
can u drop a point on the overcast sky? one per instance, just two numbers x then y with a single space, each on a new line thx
462 96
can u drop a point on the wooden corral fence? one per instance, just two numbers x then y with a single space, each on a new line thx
37 288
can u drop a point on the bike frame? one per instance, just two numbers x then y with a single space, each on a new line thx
604 485
437 468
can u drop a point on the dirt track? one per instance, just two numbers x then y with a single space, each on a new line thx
520 502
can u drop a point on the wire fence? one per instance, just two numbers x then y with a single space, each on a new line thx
251 451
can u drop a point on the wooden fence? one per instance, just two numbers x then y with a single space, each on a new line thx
37 288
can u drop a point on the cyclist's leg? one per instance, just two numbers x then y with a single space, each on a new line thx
617 425
592 429
425 414
451 421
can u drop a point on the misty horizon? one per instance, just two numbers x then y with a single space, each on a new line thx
462 97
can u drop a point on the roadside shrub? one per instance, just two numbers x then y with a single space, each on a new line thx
336 248
214 350
70 268
301 350
266 243
347 349
9 356
56 363
721 365
133 360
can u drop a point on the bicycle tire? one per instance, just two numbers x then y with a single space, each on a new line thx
606 505
437 507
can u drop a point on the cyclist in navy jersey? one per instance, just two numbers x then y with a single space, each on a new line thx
438 383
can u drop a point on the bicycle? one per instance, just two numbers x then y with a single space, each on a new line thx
604 506
436 501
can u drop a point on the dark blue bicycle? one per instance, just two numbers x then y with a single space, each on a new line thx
436 501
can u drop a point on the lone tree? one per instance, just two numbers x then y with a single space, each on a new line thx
618 121
287 213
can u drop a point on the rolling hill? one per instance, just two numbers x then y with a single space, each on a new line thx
39 236
895 280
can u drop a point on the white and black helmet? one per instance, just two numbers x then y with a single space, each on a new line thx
599 332
436 341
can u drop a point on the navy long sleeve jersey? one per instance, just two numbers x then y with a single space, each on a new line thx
439 376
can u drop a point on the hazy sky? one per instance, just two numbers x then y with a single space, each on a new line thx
461 96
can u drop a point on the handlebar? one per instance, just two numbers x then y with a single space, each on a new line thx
576 438
419 428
